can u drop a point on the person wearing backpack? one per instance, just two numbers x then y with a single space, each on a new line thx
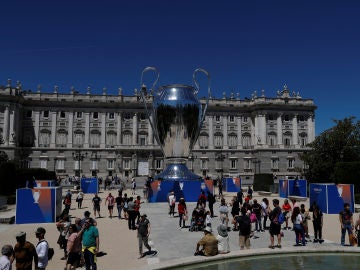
275 226
244 228
42 249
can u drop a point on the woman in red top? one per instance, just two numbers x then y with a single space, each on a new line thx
286 207
182 212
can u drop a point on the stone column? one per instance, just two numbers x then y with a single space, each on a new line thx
87 130
70 130
103 130
118 129
53 130
252 130
225 132
295 131
239 133
12 128
36 128
311 128
211 131
262 129
134 137
6 125
150 131
279 131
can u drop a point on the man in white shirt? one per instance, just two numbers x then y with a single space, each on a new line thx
42 248
172 201
7 257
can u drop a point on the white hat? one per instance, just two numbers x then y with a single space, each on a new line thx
208 229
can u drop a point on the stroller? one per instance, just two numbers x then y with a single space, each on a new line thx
197 222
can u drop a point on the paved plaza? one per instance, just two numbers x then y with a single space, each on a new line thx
119 247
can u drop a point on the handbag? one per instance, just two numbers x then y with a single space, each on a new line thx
185 217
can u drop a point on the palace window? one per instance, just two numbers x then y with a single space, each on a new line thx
204 141
275 163
43 163
233 164
291 163
60 164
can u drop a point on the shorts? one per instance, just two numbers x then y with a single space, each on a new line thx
97 208
274 229
73 257
244 241
110 207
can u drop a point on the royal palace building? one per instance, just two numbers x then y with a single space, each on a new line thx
101 134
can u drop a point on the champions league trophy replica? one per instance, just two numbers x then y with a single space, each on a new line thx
176 117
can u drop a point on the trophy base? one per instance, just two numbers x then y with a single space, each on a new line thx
174 172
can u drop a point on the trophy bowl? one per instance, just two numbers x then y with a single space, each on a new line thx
176 116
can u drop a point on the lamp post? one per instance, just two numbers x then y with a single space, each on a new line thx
78 156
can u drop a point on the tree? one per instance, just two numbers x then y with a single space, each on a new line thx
332 151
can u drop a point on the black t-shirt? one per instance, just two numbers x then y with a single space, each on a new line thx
274 213
346 216
119 201
256 209
244 225
96 201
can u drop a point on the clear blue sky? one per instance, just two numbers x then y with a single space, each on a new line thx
311 45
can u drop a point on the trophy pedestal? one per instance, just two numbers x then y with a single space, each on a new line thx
176 172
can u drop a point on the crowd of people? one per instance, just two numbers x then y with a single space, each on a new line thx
80 242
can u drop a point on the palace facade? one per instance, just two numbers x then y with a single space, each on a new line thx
101 134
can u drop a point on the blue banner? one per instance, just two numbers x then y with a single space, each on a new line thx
89 185
190 190
292 187
37 205
331 198
232 184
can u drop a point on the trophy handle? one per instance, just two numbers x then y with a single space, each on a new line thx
197 89
144 93
156 80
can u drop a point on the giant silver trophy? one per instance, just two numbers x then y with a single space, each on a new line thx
176 116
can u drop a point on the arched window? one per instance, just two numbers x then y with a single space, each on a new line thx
303 139
95 138
271 139
204 140
44 138
111 138
232 140
126 138
218 140
287 139
78 137
61 137
246 140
